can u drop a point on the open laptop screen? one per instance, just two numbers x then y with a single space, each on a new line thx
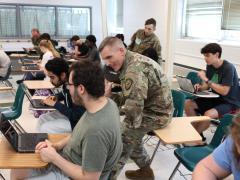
8 131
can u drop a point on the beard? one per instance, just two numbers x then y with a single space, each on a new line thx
76 98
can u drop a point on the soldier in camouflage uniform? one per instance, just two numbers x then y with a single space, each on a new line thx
145 100
145 38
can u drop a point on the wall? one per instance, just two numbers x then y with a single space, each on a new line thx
96 18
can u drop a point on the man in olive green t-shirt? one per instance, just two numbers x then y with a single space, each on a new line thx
95 144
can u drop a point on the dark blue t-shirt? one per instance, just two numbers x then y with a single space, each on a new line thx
226 75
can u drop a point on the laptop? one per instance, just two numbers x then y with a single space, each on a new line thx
29 52
27 61
186 85
37 103
19 139
31 67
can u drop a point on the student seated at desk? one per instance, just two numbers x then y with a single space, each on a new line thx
224 160
67 115
95 144
4 63
220 76
49 53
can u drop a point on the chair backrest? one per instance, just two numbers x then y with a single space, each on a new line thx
18 102
221 130
178 102
6 77
193 76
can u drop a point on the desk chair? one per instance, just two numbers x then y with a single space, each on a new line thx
178 103
4 79
190 156
14 111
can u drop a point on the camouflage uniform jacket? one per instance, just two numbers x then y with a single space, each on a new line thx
140 42
146 98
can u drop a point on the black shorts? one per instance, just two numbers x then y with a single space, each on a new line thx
219 104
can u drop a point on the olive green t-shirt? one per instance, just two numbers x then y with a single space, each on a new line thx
96 143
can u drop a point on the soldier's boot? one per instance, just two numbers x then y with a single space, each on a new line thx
145 173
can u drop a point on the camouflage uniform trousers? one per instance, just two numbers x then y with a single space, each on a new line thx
133 147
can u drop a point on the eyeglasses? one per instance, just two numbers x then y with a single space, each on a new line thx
69 84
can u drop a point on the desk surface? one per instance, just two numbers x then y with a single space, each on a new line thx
17 55
180 130
30 70
5 88
10 159
38 84
210 95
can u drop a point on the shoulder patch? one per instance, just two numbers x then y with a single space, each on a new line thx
128 83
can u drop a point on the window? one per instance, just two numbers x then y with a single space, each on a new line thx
42 18
73 21
8 21
203 19
212 19
16 21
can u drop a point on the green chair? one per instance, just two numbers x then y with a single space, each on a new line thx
14 111
190 156
178 103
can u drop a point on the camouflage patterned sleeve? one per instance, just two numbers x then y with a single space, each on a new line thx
135 88
130 47
118 98
158 48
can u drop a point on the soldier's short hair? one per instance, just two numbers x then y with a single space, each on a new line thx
110 41
36 30
151 21
212 48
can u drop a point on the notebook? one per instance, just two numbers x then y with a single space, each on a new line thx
187 86
19 139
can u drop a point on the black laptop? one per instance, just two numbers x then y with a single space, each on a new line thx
20 140
37 103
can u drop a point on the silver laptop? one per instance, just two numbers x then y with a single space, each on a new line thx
19 139
186 85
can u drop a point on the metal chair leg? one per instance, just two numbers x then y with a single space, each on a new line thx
1 176
175 170
155 150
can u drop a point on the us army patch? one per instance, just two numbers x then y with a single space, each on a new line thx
128 83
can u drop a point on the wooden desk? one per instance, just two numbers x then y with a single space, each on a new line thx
5 88
72 60
30 70
17 55
38 84
180 130
10 159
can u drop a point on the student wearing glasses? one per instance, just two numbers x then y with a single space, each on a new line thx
95 145
67 115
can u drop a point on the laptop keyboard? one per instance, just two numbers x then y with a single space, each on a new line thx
29 141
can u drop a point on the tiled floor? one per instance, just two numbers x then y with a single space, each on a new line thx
163 163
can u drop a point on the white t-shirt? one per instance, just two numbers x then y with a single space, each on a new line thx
46 56
4 63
